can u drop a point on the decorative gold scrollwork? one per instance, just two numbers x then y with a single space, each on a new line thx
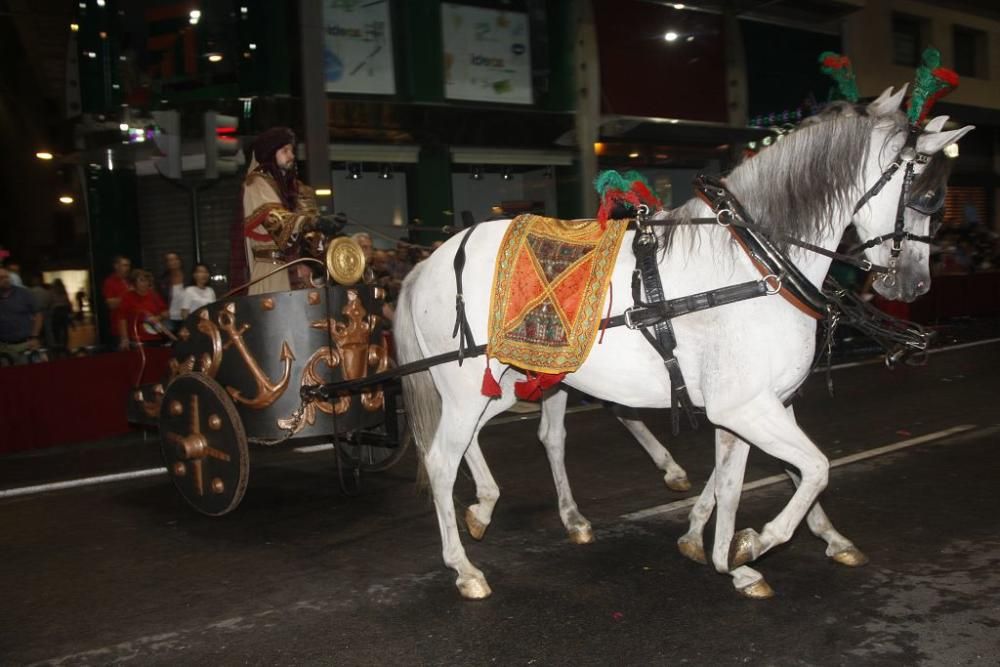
354 353
150 407
207 363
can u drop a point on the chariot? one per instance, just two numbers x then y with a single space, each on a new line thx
236 376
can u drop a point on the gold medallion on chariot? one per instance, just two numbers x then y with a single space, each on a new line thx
345 260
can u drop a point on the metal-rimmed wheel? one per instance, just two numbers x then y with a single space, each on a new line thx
203 444
380 448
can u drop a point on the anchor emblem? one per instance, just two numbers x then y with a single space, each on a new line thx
267 392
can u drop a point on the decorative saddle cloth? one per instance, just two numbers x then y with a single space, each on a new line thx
549 286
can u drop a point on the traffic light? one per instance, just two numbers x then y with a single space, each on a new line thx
222 145
167 136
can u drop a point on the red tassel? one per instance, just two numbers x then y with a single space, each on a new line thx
490 386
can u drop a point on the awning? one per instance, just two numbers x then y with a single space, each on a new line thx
674 131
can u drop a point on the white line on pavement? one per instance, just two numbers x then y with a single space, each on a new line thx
312 449
836 463
879 359
83 481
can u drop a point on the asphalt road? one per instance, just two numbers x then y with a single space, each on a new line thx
301 574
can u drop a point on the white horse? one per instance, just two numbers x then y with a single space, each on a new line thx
741 361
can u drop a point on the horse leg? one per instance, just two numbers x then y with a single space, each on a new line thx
675 477
478 516
766 423
552 433
730 464
838 547
691 544
457 429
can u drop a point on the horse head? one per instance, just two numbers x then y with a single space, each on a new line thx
904 180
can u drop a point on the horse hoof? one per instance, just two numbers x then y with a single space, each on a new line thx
583 535
476 527
742 547
758 590
678 483
851 557
474 589
692 550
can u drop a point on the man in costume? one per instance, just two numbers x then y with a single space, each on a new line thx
280 214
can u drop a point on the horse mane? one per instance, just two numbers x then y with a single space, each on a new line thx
794 187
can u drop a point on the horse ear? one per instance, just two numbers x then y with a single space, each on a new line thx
888 102
931 142
936 124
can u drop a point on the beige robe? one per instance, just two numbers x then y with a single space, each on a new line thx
270 228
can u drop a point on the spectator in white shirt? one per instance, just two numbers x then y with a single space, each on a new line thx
199 294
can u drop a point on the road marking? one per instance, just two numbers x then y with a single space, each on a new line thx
881 359
83 481
312 449
836 463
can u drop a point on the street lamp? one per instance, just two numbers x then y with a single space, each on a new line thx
671 36
44 155
66 199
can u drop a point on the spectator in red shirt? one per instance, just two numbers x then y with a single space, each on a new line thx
115 287
142 312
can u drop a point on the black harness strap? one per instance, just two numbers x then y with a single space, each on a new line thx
760 247
466 342
646 272
644 315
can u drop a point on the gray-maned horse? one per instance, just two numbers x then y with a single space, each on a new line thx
741 361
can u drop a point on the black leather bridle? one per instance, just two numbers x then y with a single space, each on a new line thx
908 157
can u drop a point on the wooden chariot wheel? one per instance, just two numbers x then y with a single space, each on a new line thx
204 445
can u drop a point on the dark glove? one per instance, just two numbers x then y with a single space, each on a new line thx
332 226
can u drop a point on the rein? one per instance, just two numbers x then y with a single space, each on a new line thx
779 276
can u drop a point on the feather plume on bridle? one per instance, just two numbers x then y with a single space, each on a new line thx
932 82
840 69
622 194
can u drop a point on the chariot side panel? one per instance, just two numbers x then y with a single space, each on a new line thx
261 349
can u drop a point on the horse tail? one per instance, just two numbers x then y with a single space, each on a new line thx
421 397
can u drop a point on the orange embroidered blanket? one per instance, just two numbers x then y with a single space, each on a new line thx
548 293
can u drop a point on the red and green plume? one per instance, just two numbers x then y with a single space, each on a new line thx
931 84
842 71
627 190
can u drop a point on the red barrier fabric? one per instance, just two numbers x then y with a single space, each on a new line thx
71 400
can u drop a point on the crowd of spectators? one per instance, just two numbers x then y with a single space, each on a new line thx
147 311
965 248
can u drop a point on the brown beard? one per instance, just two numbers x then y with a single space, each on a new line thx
285 179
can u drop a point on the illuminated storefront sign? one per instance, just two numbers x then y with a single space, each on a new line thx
357 47
487 54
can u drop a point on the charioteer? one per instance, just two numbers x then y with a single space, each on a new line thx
281 220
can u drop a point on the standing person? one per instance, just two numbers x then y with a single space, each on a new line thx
59 314
171 286
81 303
142 312
114 288
279 210
43 304
14 269
200 293
20 321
